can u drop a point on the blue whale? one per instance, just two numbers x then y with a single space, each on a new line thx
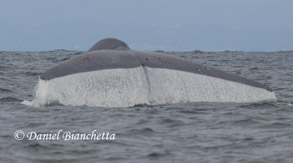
111 74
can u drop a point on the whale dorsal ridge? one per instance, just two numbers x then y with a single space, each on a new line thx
109 44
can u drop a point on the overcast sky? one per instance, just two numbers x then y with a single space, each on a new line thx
248 25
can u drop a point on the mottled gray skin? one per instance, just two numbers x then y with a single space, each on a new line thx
112 53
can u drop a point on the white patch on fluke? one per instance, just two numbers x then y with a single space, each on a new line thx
142 85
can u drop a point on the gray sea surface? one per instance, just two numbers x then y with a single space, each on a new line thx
192 132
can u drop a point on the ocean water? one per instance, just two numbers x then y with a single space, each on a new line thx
192 132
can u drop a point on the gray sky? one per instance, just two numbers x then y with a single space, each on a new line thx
147 24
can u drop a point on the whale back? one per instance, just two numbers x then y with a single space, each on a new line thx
112 75
109 44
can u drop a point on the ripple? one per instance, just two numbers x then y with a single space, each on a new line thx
10 99
33 73
171 122
142 131
155 155
5 90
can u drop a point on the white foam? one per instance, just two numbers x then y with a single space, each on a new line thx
142 85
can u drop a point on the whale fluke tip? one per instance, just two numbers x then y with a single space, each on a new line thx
109 44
